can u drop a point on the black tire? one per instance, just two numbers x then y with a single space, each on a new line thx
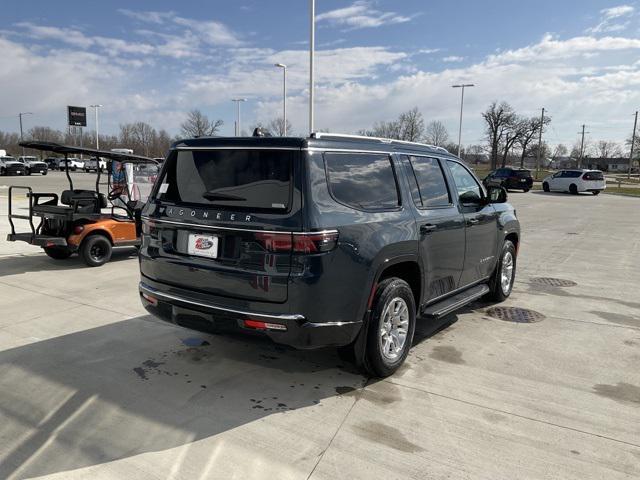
499 291
57 253
96 250
27 172
391 292
525 190
573 189
545 187
44 172
596 192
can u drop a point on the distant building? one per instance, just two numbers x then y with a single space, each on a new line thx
618 164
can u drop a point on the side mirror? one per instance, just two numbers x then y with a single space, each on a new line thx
470 198
497 194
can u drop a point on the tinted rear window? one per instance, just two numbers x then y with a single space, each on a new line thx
429 188
593 176
238 179
522 173
363 181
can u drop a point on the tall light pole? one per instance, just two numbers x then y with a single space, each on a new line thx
238 100
21 136
96 107
461 86
312 48
583 133
633 142
284 98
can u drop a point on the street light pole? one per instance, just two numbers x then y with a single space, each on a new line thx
312 47
461 86
238 100
21 135
633 142
96 107
284 98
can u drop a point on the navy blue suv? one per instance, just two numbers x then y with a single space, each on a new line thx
331 240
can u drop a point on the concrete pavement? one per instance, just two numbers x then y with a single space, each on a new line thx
92 387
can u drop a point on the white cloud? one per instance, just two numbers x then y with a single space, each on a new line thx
619 11
361 14
608 18
207 31
453 59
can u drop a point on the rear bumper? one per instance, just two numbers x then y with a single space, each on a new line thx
184 308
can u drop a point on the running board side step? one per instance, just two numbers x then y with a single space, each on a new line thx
448 305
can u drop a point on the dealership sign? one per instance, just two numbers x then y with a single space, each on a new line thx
77 116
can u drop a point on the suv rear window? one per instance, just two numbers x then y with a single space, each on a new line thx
522 173
238 179
362 180
593 176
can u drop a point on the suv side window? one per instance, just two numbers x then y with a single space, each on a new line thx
428 178
463 179
364 181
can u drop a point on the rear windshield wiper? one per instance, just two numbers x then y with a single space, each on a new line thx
222 196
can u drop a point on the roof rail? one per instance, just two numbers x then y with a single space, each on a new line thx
379 139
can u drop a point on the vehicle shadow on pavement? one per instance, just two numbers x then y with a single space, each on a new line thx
16 264
139 385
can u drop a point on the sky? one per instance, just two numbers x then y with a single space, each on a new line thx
155 60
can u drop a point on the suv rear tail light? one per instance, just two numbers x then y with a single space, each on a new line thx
299 242
260 325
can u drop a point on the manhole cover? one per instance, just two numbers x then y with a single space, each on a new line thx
553 282
514 314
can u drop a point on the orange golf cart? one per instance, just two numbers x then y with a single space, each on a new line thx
87 221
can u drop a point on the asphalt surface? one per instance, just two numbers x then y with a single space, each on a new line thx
92 387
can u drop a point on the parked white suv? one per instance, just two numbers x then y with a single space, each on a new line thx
74 164
575 181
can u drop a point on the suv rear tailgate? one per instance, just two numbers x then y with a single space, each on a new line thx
211 225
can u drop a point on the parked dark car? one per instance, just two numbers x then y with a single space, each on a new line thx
510 179
330 240
53 163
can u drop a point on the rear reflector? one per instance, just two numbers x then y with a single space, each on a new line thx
260 325
152 300
298 242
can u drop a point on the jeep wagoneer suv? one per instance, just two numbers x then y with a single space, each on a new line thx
331 240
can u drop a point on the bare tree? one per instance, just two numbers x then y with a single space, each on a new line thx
512 133
530 131
606 149
498 118
198 124
276 126
411 125
560 151
45 134
436 133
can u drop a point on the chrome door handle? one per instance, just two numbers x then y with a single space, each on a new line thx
473 221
